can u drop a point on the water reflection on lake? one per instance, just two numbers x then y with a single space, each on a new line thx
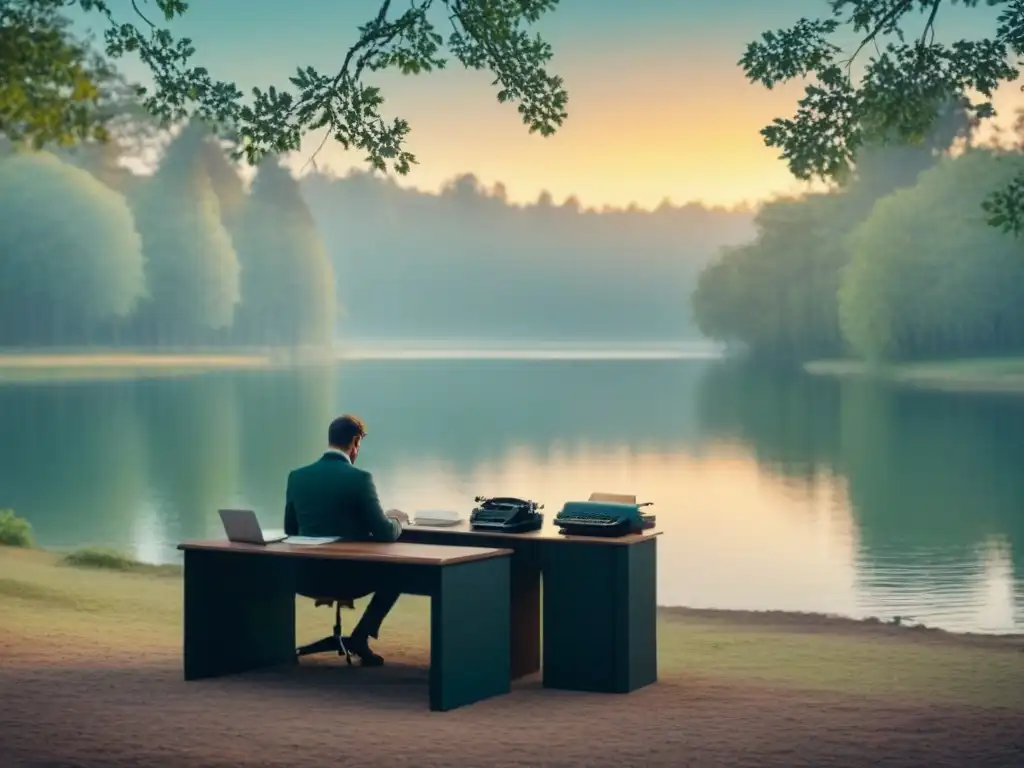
774 491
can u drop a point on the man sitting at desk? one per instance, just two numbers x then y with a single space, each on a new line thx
331 497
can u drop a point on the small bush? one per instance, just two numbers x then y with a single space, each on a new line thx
106 559
14 532
99 558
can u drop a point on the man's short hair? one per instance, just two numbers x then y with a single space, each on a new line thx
344 430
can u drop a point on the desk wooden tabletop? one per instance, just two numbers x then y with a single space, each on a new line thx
548 533
397 552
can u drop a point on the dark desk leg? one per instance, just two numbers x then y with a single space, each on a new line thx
239 613
600 616
469 633
525 640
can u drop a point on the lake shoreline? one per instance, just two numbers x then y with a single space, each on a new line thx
58 366
982 375
40 365
99 560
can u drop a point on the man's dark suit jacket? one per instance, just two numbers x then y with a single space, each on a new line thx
331 497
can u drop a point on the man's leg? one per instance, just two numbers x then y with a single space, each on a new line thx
380 606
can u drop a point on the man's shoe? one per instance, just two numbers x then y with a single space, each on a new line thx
360 647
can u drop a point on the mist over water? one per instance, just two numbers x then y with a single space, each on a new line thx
775 491
509 349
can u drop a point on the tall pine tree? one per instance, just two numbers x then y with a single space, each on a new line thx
192 271
289 295
226 181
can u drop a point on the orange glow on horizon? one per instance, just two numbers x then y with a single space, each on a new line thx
625 145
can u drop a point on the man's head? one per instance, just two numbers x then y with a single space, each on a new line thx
345 434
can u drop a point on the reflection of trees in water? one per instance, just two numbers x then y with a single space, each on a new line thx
789 421
193 429
72 460
466 412
930 472
284 425
933 470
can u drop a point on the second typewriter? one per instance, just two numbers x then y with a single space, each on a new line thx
604 515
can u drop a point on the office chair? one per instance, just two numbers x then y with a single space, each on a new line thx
333 642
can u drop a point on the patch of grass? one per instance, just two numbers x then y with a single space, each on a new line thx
106 559
865 663
14 531
45 597
24 590
999 374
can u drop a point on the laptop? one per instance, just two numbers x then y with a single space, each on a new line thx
241 526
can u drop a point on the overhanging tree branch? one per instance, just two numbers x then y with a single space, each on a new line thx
904 85
487 34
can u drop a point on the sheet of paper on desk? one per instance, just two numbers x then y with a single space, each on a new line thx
310 541
437 517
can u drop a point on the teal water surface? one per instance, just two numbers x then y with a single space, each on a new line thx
773 491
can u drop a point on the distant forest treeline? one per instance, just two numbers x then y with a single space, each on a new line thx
467 263
93 254
896 264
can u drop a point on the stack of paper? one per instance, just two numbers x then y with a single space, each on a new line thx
310 541
437 517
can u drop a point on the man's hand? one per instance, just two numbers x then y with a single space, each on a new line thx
397 514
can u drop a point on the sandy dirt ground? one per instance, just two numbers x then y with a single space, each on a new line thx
68 703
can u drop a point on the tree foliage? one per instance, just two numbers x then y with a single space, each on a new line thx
927 278
907 78
70 259
129 132
192 269
916 274
50 83
226 182
489 35
288 285
777 295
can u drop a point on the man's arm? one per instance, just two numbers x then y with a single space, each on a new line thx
380 526
291 522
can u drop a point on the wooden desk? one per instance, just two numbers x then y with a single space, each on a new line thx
599 606
240 608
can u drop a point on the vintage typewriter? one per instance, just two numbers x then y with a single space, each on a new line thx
604 514
506 514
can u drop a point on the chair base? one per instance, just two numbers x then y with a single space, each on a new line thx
334 643
331 644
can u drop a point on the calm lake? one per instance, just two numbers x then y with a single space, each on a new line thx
774 491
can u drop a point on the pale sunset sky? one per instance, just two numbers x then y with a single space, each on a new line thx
658 106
